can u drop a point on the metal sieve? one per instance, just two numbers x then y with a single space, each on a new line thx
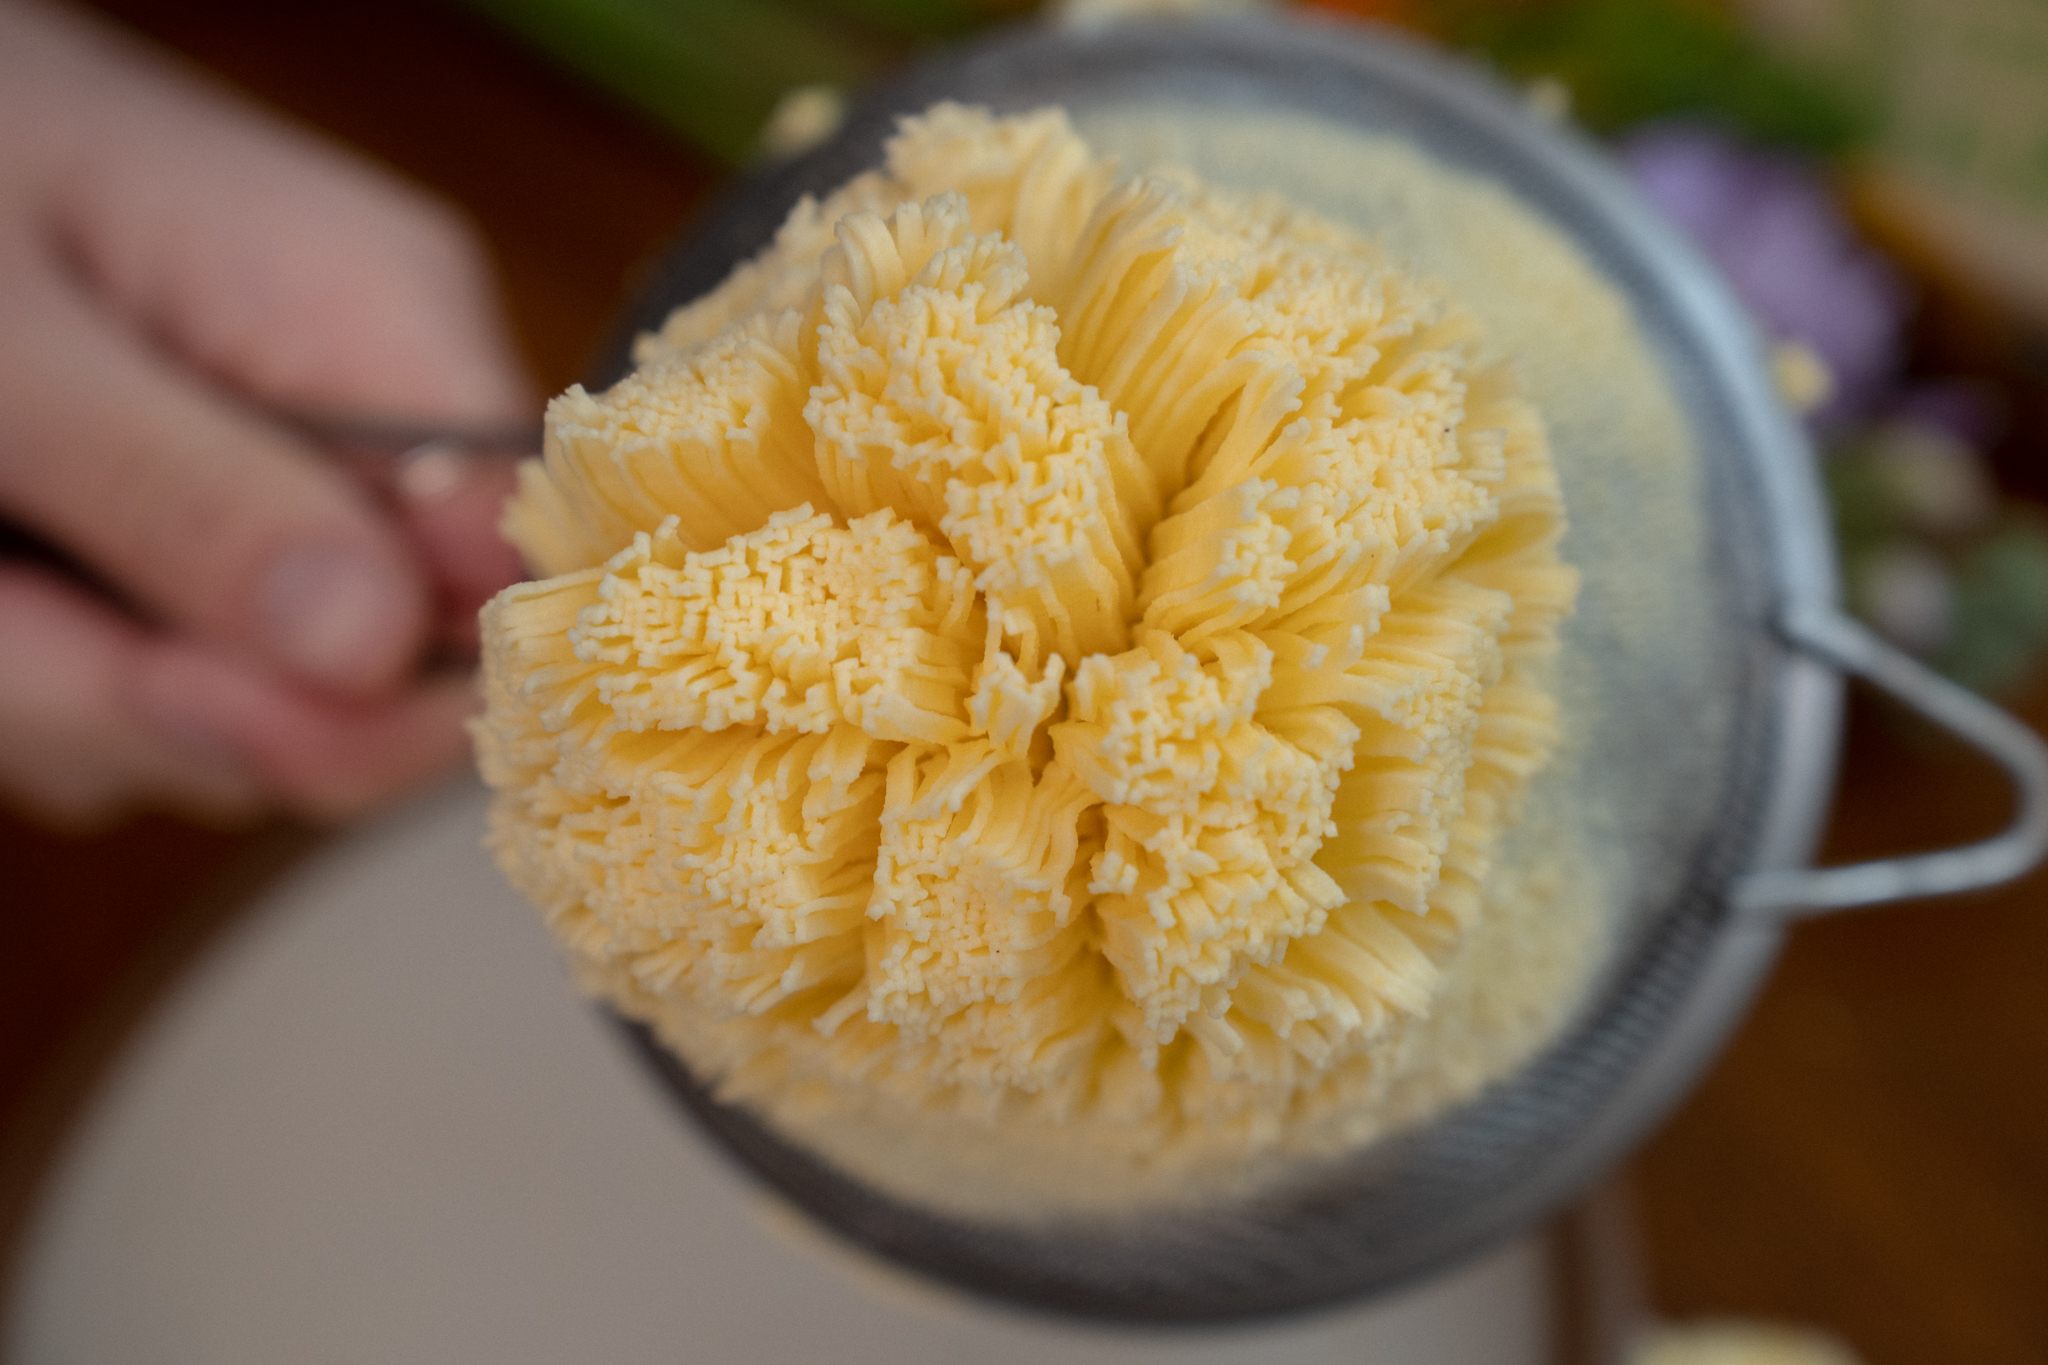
1692 954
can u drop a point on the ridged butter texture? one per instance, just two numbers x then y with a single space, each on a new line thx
1037 649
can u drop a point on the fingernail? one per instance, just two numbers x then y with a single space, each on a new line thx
338 618
431 472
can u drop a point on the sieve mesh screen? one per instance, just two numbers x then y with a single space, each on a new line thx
1669 681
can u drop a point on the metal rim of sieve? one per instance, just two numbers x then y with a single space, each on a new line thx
1422 1200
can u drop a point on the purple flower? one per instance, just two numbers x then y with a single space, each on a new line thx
1967 410
1767 220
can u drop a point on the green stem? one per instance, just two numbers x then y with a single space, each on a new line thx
710 70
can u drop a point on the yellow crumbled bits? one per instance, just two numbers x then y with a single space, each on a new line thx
718 430
970 895
1026 178
1034 644
1008 704
940 395
797 626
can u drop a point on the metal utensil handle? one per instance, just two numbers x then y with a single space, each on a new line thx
387 435
1791 893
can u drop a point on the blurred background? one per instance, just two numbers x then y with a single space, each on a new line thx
1872 1153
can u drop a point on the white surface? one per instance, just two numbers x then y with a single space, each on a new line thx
375 1125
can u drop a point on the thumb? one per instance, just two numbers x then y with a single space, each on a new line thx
196 510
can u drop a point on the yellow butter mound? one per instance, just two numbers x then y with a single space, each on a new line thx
1031 645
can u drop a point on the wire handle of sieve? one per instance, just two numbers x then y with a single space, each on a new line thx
349 431
1795 893
411 459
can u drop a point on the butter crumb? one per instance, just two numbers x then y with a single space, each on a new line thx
1802 377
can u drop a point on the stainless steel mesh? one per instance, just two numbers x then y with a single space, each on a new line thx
1680 970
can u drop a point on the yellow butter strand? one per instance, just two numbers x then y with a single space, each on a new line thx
1035 646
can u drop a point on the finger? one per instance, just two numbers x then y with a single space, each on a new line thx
293 271
72 745
280 264
301 268
321 757
98 716
409 325
196 510
452 504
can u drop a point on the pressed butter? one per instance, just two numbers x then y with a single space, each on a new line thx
1038 652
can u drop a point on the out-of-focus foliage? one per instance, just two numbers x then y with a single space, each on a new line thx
2001 607
1628 62
1731 140
1929 555
1934 560
712 70
1767 218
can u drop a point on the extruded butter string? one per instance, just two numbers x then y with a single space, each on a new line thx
1031 644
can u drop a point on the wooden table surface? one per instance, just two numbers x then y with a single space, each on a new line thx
1871 1153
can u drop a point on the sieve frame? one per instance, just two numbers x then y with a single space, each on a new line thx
1309 1245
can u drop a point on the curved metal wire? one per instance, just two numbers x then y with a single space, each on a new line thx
1797 892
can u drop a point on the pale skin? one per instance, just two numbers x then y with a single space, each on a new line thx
172 262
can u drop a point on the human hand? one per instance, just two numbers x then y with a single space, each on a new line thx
172 262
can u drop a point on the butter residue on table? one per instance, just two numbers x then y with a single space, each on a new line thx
1740 1342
